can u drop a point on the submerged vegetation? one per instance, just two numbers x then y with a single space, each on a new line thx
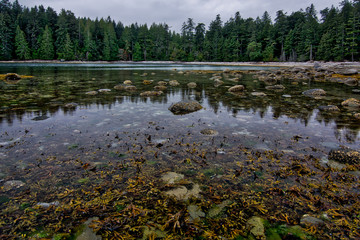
39 33
82 158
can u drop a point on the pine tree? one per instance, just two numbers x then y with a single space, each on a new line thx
6 35
21 46
46 50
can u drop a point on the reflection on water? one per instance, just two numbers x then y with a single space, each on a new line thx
49 123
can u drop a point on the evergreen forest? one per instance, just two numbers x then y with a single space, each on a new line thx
333 34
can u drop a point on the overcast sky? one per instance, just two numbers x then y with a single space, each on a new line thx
175 12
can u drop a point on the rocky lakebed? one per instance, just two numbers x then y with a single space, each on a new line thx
179 151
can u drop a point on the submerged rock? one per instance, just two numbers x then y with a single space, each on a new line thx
40 118
351 103
183 193
13 184
209 132
309 220
314 93
71 105
348 156
352 82
256 227
237 88
217 210
151 93
185 107
195 212
172 177
329 108
87 233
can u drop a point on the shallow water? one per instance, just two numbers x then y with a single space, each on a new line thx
39 132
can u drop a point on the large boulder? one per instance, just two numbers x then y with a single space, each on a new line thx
346 155
314 93
185 107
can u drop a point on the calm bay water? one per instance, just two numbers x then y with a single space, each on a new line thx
42 137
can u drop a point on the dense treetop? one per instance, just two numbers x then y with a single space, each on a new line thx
42 33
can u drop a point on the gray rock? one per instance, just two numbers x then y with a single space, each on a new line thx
185 107
218 209
47 205
256 227
309 220
104 90
182 193
314 93
258 94
172 177
13 184
352 82
345 71
237 88
351 103
329 108
195 212
209 132
87 233
91 93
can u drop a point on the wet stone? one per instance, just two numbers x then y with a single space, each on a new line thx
183 193
329 108
92 93
348 156
209 132
104 90
258 94
185 107
256 227
195 212
314 93
309 220
351 103
237 88
128 82
13 184
172 177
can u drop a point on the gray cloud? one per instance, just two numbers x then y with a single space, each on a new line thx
175 12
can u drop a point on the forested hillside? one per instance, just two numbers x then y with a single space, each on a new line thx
42 33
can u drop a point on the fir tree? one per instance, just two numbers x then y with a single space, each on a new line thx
46 50
21 46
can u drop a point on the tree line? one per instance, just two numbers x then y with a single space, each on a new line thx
42 33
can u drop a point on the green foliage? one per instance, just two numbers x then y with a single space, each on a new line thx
22 49
46 50
300 36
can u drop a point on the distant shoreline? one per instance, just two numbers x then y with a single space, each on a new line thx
268 64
